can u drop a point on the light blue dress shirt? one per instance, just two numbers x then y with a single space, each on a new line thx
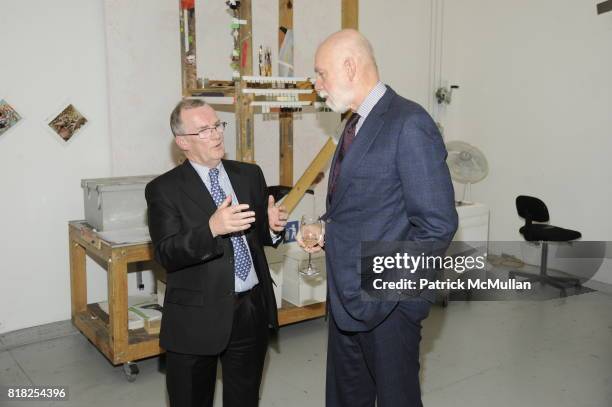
225 184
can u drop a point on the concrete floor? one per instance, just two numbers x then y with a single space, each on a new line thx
556 352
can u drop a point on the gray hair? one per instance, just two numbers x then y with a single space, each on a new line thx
176 124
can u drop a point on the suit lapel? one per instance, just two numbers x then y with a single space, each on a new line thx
240 185
333 163
193 186
239 182
370 130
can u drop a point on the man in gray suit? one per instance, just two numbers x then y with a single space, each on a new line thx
388 182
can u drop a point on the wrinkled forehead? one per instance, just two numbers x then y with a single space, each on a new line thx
198 117
324 57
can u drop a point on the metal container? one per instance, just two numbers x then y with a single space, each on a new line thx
116 203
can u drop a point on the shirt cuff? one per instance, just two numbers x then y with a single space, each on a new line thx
275 236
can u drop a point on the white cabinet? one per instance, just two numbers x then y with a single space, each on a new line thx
473 223
303 290
285 263
275 259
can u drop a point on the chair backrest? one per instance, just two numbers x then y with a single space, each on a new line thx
532 209
279 191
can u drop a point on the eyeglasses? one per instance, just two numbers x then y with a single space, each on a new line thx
206 132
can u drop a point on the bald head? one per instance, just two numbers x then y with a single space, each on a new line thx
351 43
346 69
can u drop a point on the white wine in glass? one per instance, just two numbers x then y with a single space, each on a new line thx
311 230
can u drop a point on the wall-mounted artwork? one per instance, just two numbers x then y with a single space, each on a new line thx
8 117
68 122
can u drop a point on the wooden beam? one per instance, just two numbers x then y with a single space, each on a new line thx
189 73
290 313
78 276
285 148
604 7
245 148
213 91
118 305
285 19
350 19
96 331
350 14
316 166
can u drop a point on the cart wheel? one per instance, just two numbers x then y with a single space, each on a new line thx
131 371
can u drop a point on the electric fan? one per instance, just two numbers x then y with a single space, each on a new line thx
467 165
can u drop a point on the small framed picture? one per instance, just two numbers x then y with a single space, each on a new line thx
67 123
8 117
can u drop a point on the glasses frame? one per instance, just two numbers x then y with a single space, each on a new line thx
206 132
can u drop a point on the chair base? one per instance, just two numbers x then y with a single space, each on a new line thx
559 282
562 283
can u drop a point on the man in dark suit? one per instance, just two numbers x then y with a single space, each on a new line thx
388 182
209 219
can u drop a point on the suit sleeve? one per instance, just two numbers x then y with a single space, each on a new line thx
425 181
264 233
177 245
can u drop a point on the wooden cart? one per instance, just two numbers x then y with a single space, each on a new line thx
109 332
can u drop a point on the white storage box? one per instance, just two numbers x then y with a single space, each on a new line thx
473 223
275 263
161 292
303 290
115 203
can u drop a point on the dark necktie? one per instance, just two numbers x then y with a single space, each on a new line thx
348 136
242 259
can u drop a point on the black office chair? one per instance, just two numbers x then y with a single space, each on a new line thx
534 210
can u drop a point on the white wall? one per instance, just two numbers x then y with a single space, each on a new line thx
119 64
535 98
400 33
52 52
265 33
144 75
311 131
533 75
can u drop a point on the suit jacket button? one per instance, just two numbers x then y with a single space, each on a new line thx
328 220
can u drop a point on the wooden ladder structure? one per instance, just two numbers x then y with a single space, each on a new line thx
245 150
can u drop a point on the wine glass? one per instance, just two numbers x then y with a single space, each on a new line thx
311 228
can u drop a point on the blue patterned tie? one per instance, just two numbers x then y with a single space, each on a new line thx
242 259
